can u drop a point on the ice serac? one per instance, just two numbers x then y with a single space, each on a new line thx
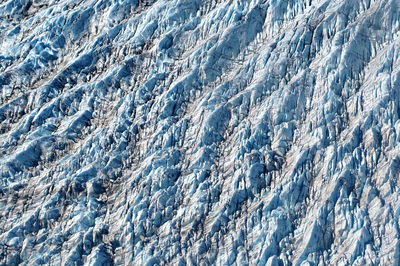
188 132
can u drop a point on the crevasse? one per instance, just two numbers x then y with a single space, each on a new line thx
199 132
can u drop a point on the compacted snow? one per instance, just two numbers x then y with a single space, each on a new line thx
196 132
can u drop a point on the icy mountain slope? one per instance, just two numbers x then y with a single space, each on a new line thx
199 132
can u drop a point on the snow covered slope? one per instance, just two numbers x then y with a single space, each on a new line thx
199 132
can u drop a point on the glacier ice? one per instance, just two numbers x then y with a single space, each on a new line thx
199 132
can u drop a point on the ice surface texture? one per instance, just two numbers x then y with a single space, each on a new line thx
199 132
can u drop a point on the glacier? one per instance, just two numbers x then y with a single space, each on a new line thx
188 132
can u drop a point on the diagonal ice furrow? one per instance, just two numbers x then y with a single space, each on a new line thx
199 132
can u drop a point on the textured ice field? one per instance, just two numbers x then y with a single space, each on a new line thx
197 132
